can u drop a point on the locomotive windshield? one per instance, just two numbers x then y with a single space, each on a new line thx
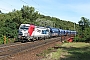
24 27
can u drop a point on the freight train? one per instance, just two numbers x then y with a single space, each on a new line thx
31 32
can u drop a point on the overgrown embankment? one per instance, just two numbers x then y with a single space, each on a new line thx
68 51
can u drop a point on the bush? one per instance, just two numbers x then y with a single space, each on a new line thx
1 40
79 39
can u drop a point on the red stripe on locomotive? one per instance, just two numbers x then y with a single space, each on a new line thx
31 29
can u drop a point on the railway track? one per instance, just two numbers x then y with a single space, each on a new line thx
18 48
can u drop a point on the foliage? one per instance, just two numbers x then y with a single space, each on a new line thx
10 22
69 51
1 40
76 51
78 39
84 30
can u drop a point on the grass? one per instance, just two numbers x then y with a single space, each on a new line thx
8 40
76 51
70 51
56 55
1 42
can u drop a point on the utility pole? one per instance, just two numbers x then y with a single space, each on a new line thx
54 25
74 26
45 23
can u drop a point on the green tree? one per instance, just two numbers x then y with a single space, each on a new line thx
29 14
84 29
10 22
0 11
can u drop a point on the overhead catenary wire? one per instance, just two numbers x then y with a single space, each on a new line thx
36 2
4 9
25 3
39 5
48 13
8 4
34 7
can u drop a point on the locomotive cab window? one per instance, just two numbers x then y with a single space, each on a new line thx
44 31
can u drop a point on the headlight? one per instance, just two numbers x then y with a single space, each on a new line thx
20 33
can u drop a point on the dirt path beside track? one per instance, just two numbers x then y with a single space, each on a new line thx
32 55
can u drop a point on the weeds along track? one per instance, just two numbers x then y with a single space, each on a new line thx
18 48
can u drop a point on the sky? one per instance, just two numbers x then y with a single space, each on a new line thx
68 10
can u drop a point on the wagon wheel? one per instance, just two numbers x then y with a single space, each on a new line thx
44 38
32 40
